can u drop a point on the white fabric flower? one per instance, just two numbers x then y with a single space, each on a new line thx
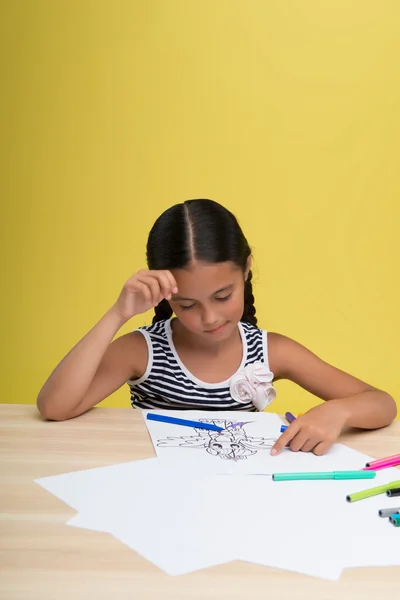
253 384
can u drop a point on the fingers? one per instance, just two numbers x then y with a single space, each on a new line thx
323 447
172 280
298 438
155 285
166 281
137 286
285 438
300 441
309 445
152 285
162 285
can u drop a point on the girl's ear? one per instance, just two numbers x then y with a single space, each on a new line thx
248 267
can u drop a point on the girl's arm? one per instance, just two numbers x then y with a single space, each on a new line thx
95 367
93 370
351 401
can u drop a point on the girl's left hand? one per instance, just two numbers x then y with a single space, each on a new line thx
314 431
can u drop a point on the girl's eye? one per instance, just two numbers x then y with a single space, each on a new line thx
224 298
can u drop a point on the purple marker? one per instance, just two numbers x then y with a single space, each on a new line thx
290 417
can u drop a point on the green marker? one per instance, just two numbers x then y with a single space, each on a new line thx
396 522
324 475
372 491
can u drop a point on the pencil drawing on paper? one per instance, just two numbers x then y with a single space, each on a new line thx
232 443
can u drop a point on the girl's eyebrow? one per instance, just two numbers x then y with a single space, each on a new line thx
181 298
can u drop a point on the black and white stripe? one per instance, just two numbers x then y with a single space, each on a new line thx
168 384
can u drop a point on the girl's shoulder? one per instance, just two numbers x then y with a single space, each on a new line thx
283 352
248 328
157 327
158 331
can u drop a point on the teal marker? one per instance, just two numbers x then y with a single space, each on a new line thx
395 522
394 519
324 475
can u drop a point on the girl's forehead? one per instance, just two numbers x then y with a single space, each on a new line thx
201 278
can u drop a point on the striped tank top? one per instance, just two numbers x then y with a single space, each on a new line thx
168 384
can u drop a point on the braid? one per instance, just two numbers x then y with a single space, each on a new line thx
162 311
249 311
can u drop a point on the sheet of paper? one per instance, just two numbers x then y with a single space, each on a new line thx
149 508
211 525
312 519
370 540
286 532
180 525
242 448
83 489
188 519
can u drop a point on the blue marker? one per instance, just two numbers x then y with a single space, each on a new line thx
175 421
283 428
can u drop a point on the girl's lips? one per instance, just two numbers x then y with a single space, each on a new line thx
217 330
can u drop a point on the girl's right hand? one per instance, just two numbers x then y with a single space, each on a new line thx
143 291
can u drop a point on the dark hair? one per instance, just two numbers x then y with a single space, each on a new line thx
199 230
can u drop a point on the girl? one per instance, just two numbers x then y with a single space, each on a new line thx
211 355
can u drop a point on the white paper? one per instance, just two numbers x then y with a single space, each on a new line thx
313 520
239 450
179 524
83 490
286 531
187 518
208 521
243 447
149 508
370 540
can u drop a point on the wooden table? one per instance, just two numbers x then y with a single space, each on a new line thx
42 559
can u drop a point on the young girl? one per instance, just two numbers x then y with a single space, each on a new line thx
211 355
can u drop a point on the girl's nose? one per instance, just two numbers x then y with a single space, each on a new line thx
209 318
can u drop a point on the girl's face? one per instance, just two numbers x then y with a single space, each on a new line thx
210 298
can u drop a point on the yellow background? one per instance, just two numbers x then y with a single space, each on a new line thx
287 112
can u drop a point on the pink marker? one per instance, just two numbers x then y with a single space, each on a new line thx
382 460
382 465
